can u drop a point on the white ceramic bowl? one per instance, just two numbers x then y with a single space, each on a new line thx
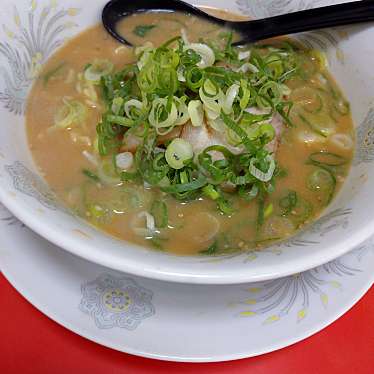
33 30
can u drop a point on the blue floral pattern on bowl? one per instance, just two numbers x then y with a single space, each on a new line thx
28 45
116 302
365 140
270 8
272 300
8 218
29 183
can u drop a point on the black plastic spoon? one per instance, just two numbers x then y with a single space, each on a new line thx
251 31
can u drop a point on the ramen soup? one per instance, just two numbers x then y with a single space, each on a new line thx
186 143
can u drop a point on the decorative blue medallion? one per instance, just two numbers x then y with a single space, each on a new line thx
29 183
365 140
116 302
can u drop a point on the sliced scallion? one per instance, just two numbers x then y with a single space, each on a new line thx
98 69
178 153
327 158
196 112
90 174
159 211
143 30
322 180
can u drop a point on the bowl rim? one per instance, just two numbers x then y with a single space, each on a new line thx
85 250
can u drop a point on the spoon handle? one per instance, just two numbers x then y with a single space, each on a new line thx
306 20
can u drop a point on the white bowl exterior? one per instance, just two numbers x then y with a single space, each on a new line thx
347 222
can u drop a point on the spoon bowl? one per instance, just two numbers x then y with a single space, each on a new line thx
250 31
116 10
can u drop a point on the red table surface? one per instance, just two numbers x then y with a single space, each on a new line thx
32 343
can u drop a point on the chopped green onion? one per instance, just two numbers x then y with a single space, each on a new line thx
322 180
97 212
270 94
143 30
224 206
127 176
91 175
117 105
301 212
194 78
258 173
248 194
119 120
196 112
343 141
159 211
288 202
268 211
211 192
157 242
205 52
342 107
107 173
98 69
308 98
261 209
228 100
178 153
246 94
186 187
183 112
71 113
211 250
232 125
321 123
143 224
52 73
320 57
162 117
327 158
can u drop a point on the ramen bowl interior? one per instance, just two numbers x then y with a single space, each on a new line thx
29 38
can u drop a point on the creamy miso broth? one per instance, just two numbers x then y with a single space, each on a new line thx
145 26
193 146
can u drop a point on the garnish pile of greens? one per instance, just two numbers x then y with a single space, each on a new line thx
197 84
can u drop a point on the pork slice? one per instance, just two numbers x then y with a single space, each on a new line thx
276 121
204 136
131 142
175 133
